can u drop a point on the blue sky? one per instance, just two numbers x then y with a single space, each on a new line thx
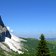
29 16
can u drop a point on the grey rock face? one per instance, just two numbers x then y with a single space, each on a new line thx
3 31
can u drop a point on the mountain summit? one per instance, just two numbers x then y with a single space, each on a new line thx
8 41
3 31
1 22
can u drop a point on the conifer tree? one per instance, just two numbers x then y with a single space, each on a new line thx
43 50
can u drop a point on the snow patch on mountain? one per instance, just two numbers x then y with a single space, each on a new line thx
14 43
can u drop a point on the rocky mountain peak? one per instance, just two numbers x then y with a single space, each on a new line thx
3 31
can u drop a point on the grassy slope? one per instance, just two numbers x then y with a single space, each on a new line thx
52 47
32 44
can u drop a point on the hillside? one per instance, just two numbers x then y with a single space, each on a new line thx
32 44
30 48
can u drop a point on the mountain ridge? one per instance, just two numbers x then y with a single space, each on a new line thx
6 38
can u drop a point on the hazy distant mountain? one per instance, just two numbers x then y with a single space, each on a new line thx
51 39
